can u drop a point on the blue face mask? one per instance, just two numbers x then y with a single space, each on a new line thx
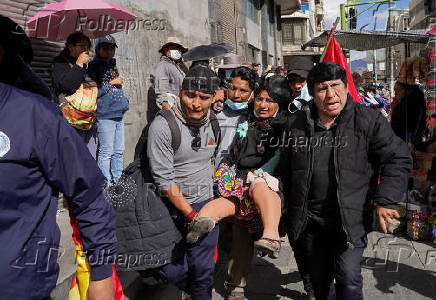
305 94
236 105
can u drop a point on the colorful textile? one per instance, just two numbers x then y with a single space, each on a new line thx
231 187
431 83
378 102
228 184
418 227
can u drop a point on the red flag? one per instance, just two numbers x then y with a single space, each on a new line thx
334 54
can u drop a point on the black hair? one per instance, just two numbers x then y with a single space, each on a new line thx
261 87
73 39
222 88
325 71
204 63
412 91
277 88
245 74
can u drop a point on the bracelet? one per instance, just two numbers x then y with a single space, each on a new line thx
191 215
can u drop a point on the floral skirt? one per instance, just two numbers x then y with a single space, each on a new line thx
231 187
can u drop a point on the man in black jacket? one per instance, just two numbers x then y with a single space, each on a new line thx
335 152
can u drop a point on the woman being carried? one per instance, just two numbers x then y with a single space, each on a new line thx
243 176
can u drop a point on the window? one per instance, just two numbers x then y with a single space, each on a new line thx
252 10
405 23
293 32
287 33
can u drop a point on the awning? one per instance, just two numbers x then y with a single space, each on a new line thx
369 40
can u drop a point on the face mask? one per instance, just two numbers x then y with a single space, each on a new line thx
305 94
175 54
229 73
236 105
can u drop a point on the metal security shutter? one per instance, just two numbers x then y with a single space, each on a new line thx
22 10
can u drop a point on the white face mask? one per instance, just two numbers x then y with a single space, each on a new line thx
175 54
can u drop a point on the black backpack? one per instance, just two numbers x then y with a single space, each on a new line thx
147 235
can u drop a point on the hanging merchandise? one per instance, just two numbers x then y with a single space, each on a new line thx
431 87
418 227
431 197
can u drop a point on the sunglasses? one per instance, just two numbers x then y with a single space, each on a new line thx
196 142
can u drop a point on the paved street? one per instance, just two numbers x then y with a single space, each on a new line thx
393 268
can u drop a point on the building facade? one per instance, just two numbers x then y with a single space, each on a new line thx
263 32
253 27
376 67
422 15
300 26
401 23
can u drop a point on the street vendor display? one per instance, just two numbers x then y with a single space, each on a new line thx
431 87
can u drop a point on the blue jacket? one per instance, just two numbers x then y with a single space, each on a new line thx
40 154
111 102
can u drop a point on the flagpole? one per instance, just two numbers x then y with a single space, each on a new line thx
332 33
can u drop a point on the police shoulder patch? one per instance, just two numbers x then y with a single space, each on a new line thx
5 144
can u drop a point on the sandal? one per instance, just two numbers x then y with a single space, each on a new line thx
268 247
198 228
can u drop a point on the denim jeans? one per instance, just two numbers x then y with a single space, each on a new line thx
90 139
111 148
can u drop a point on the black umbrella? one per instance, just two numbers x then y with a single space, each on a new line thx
205 52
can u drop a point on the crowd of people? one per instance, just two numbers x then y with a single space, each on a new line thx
292 147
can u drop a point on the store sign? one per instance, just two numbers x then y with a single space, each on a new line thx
305 5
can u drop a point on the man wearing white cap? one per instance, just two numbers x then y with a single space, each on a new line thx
169 73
